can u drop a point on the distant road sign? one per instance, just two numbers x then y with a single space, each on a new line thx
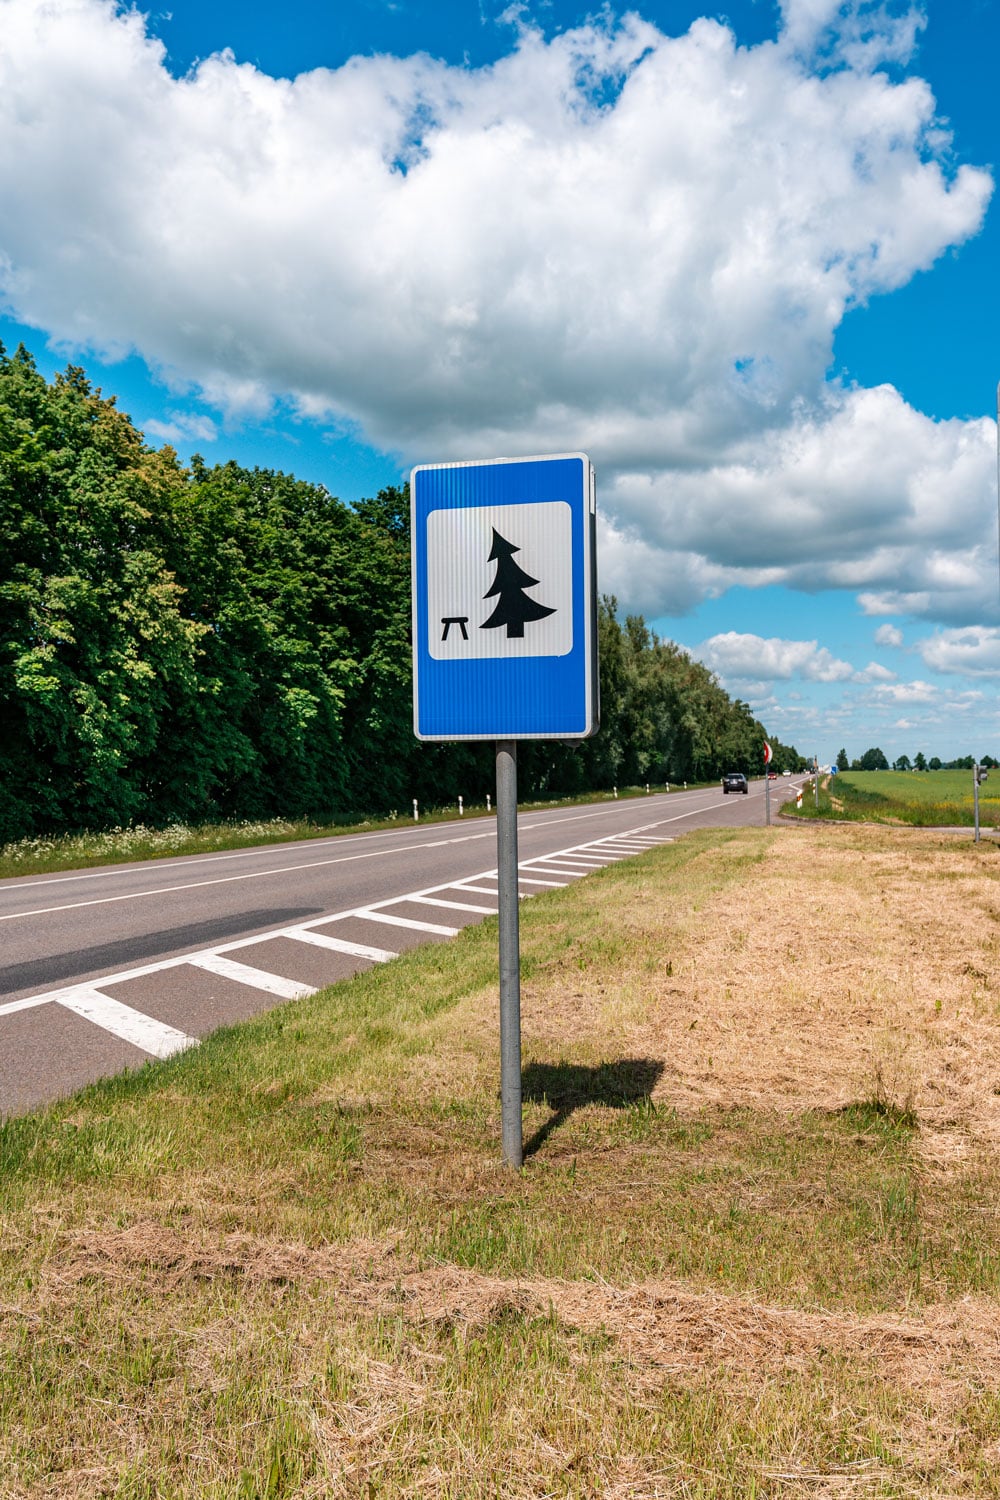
767 753
504 599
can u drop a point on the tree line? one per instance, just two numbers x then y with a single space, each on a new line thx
875 759
201 643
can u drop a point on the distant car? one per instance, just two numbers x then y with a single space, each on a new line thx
735 781
772 775
786 773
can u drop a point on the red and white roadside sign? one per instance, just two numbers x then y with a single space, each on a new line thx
767 753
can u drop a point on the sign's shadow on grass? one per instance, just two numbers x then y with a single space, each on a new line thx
566 1086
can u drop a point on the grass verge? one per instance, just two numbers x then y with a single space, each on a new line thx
754 1250
929 799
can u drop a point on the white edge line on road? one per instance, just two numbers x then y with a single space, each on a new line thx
28 1002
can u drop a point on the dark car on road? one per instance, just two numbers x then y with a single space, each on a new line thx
735 781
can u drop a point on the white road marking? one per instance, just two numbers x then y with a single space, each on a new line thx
486 911
339 945
194 885
630 844
122 1021
559 869
302 930
272 984
280 870
383 916
30 1002
586 861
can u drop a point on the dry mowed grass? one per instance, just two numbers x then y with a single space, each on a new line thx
754 1251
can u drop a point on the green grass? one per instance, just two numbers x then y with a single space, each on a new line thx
928 799
290 1263
80 851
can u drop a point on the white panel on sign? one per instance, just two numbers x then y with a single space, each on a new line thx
500 581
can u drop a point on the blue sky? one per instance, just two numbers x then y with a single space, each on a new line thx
745 257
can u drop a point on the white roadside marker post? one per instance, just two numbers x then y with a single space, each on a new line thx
416 814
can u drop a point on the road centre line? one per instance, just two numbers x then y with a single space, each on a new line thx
194 885
182 861
142 971
113 870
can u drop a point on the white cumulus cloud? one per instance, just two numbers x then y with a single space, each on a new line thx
180 427
617 240
908 692
760 659
888 635
973 652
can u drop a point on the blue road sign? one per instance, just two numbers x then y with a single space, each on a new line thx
504 599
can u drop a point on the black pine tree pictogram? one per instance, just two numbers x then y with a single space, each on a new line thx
513 608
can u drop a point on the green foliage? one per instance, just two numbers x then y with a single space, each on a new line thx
872 760
230 644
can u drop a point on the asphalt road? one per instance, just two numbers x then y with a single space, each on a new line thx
101 969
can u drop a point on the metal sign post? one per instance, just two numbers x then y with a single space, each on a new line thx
978 775
975 801
767 784
510 955
505 649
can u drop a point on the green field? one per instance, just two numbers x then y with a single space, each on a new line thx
921 799
754 1250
